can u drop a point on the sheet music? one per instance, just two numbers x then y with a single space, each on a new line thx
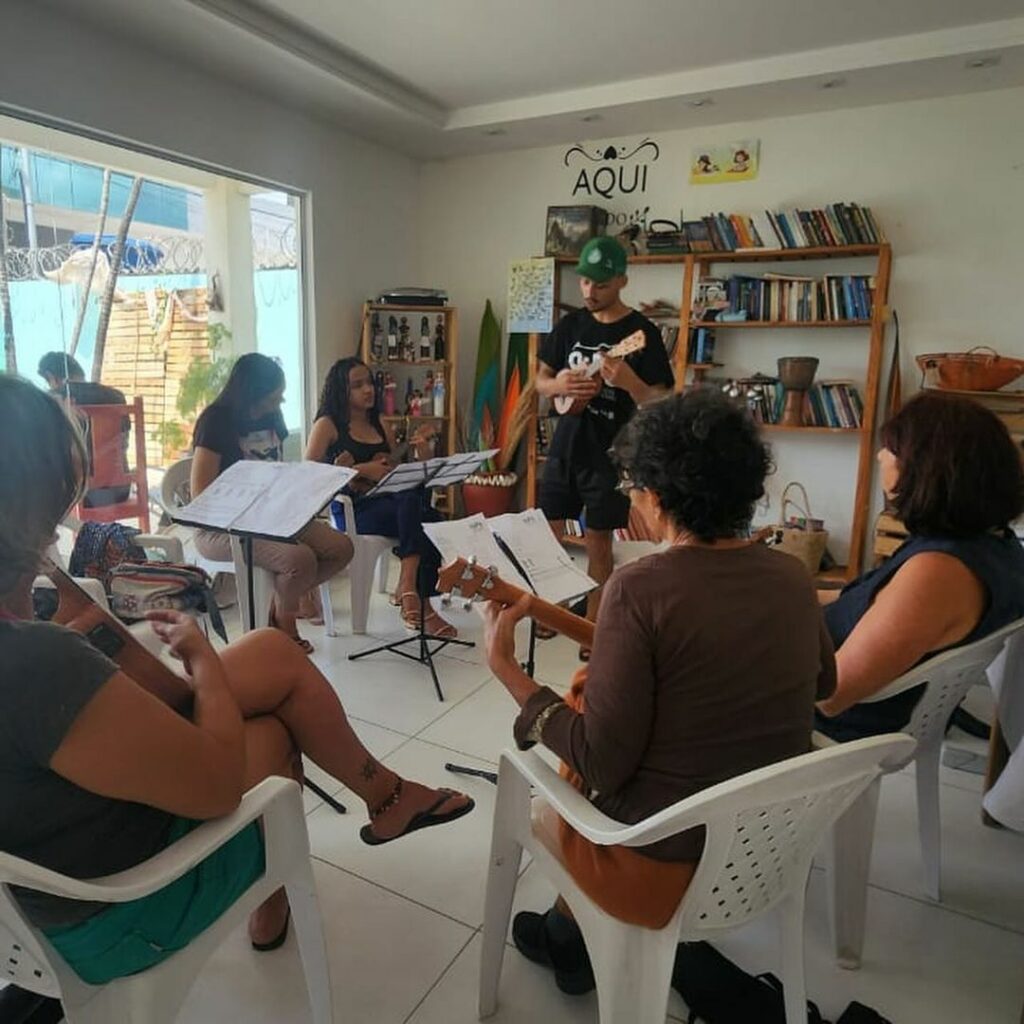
472 537
273 499
551 572
441 471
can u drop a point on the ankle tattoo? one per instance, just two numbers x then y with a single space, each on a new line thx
369 769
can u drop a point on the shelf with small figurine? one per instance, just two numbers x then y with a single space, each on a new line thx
412 354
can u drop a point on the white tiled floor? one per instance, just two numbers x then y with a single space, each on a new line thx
403 921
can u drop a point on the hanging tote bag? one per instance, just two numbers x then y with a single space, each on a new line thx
799 534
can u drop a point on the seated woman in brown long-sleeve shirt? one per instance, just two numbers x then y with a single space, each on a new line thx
708 658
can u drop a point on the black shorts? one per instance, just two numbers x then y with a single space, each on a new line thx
569 487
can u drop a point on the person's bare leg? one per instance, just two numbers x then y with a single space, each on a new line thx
599 565
269 750
269 675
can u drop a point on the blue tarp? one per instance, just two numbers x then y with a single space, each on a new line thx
137 254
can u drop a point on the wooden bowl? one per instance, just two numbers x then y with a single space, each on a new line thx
797 372
980 369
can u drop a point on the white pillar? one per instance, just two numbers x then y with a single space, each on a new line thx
228 245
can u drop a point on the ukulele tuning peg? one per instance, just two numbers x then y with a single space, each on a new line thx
467 605
446 600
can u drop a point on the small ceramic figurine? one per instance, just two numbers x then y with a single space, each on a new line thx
427 405
405 340
389 395
416 404
426 345
439 338
376 338
392 338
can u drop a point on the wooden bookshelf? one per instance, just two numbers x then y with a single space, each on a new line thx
695 265
699 264
406 369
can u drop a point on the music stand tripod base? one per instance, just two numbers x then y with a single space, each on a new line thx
425 654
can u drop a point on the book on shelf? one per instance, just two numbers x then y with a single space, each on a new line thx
784 298
701 345
669 337
827 227
828 403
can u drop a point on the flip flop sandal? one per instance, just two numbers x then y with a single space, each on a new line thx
443 631
421 819
302 642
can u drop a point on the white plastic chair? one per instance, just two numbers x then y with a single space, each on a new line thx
761 832
370 552
155 996
948 677
174 492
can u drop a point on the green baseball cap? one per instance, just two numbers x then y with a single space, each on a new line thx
601 259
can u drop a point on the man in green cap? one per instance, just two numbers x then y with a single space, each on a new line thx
578 474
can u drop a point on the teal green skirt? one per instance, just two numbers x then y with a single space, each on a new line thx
130 937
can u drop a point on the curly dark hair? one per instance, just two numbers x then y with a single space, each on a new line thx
960 473
334 402
702 456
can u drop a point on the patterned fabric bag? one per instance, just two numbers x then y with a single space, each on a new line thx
135 588
99 547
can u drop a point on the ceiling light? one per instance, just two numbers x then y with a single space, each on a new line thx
495 131
590 118
703 101
833 83
983 62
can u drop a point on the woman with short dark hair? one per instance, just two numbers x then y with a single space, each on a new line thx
244 422
708 657
954 477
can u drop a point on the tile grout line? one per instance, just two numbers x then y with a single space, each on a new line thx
392 892
437 981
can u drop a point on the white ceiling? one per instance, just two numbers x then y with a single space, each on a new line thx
442 77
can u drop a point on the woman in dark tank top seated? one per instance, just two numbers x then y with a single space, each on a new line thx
348 432
954 478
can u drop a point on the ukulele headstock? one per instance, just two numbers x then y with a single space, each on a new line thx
467 580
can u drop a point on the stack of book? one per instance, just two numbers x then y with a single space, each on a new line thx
669 337
828 403
782 298
837 224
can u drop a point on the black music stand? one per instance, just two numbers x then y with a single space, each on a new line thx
440 472
245 508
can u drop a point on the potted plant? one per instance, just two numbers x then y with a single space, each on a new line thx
492 488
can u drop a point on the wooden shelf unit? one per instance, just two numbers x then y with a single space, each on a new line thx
404 369
693 265
698 264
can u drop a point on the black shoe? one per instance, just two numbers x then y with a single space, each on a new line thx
18 1006
553 940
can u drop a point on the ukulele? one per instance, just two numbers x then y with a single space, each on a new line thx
467 580
78 611
566 405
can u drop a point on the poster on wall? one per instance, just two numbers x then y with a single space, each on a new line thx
531 296
717 165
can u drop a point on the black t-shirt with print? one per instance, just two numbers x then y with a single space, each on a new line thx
261 439
575 340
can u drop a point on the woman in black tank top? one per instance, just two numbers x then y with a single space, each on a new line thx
348 432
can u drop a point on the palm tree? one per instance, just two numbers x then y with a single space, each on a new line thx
80 320
116 256
10 355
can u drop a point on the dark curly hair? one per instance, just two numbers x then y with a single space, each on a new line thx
334 401
960 473
702 456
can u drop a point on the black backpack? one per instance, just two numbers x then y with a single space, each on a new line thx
717 991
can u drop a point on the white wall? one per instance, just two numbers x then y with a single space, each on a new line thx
363 196
945 178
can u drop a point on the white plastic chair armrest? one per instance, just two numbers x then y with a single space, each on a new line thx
169 864
572 806
170 546
350 515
